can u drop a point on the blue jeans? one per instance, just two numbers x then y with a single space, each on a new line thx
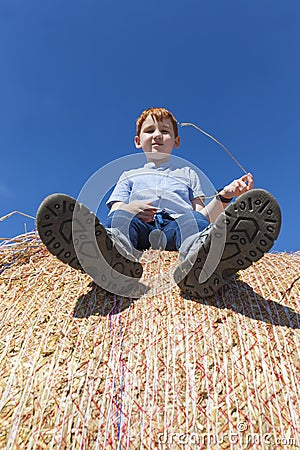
175 231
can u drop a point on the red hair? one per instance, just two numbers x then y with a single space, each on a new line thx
159 114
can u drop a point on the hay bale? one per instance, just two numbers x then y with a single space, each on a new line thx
83 369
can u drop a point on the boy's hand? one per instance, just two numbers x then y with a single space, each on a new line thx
141 209
238 187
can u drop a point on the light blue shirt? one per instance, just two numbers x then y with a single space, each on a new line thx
170 188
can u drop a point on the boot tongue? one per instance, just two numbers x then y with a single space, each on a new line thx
123 244
192 243
158 240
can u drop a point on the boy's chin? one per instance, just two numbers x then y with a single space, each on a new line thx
157 156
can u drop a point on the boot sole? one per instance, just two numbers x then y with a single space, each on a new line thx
246 229
64 225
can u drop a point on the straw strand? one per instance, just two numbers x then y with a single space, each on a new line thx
189 124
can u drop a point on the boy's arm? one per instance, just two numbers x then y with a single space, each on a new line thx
211 211
198 203
234 189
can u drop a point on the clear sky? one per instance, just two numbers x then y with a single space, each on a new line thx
75 75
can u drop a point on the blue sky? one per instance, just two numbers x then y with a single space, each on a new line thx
76 74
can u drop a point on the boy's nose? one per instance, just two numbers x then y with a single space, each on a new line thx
157 133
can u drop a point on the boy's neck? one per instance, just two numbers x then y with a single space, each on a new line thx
159 162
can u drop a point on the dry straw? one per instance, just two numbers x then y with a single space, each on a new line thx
84 369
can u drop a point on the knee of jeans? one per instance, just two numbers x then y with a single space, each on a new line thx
130 226
187 245
118 219
201 220
191 226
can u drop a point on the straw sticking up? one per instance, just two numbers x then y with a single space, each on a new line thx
189 124
15 212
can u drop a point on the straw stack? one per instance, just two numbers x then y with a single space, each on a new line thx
83 369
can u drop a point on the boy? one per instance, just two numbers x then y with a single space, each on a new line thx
161 205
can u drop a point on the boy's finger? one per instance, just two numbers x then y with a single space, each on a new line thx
150 208
250 181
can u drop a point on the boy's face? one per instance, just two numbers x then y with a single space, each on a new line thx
157 139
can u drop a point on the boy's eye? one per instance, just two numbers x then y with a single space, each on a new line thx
152 130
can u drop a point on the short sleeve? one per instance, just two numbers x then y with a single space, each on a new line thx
121 192
195 189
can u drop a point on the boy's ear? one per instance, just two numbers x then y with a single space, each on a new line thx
177 142
137 142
